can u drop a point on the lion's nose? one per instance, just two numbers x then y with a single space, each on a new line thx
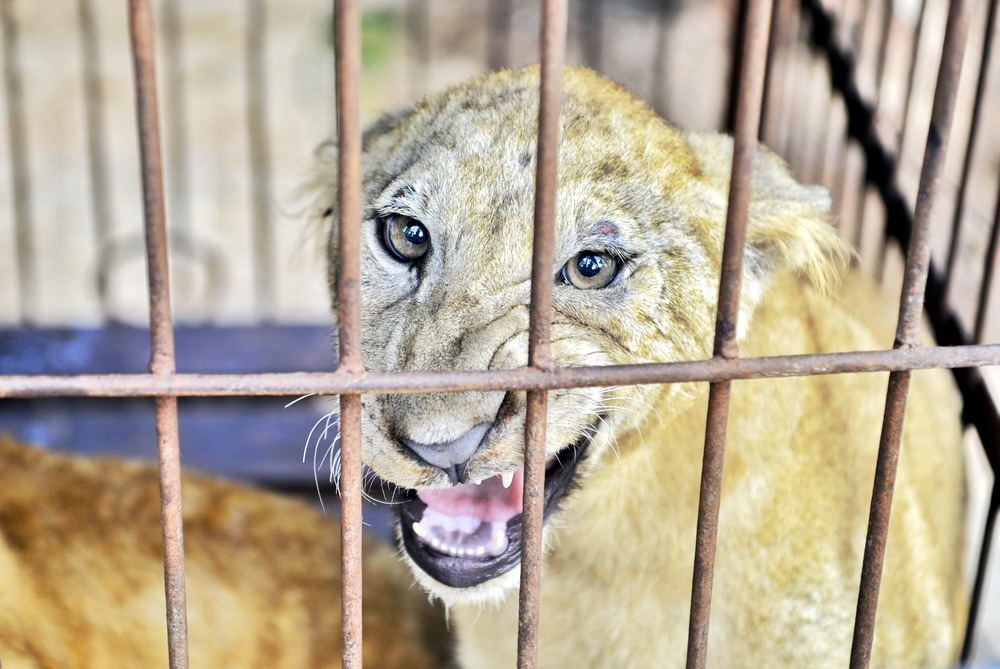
449 454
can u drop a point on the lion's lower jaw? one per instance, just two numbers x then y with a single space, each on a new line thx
493 592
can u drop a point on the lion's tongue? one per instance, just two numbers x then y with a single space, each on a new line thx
470 520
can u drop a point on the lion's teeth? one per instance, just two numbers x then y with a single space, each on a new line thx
498 540
507 479
419 530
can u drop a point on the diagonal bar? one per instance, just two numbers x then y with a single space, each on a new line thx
161 329
553 38
908 329
748 111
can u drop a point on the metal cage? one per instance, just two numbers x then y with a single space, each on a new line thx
776 46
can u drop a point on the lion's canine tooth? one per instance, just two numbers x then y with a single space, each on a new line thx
507 478
419 530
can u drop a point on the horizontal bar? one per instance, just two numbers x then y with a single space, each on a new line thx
525 378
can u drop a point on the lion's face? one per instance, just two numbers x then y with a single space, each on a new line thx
446 257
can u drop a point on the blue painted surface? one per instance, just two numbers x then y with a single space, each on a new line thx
255 439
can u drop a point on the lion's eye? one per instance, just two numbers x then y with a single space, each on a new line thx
405 238
590 269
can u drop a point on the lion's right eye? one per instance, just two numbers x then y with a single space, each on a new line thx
590 270
407 239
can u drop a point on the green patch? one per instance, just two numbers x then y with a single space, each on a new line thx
381 35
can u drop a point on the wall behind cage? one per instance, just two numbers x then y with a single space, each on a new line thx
246 94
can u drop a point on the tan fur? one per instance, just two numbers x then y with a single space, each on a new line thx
81 575
800 456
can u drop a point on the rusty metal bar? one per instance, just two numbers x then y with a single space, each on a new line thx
97 153
525 378
347 38
970 147
260 160
908 329
748 110
986 285
161 361
20 169
350 530
553 56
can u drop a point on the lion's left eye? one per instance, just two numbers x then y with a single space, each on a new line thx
589 270
405 238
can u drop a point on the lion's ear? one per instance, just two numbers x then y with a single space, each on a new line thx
318 194
788 230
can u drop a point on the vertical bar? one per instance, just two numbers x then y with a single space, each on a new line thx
791 18
793 146
738 37
911 76
498 37
908 329
956 221
553 51
97 153
24 255
260 160
175 106
767 102
592 32
161 360
658 95
347 44
418 30
748 111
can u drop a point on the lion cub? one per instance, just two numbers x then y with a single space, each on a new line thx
81 575
446 256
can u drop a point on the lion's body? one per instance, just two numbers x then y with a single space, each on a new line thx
617 585
81 575
801 451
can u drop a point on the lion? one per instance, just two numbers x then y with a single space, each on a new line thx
81 574
448 188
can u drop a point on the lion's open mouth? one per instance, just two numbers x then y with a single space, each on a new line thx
470 533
